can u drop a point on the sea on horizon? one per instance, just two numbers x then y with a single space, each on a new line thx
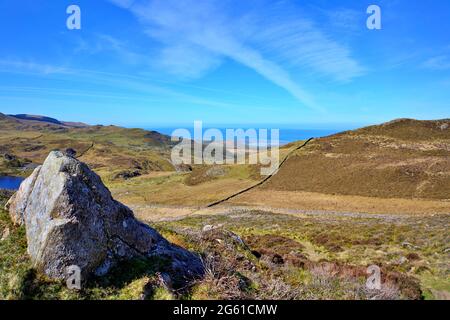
286 135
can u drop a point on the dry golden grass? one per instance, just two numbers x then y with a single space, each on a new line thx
171 190
405 159
339 203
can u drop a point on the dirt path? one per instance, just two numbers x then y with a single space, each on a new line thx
171 213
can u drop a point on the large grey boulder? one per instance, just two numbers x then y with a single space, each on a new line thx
71 219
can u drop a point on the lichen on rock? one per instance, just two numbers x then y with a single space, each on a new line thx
71 218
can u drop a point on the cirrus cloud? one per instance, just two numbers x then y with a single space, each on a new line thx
272 38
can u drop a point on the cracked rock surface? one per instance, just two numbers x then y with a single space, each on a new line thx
71 219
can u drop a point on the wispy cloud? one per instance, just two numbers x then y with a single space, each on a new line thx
30 66
437 63
197 36
100 43
301 44
347 19
123 3
115 86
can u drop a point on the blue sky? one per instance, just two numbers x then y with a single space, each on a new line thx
165 62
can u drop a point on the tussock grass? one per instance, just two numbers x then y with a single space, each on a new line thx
325 256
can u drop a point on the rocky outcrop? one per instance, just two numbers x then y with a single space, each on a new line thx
72 219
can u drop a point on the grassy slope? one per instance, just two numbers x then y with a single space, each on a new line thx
325 247
110 151
402 159
370 161
204 185
299 259
107 149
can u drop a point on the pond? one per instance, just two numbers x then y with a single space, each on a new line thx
10 183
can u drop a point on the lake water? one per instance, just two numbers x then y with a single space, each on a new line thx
10 183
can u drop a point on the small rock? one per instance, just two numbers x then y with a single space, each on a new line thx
207 228
402 260
9 157
70 152
183 168
5 234
216 171
210 227
409 245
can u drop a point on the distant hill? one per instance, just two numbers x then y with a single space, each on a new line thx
29 117
410 129
112 149
36 122
404 158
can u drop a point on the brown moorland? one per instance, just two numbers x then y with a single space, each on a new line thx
264 250
399 159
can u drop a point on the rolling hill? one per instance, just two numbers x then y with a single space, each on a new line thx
376 195
29 118
25 141
403 158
